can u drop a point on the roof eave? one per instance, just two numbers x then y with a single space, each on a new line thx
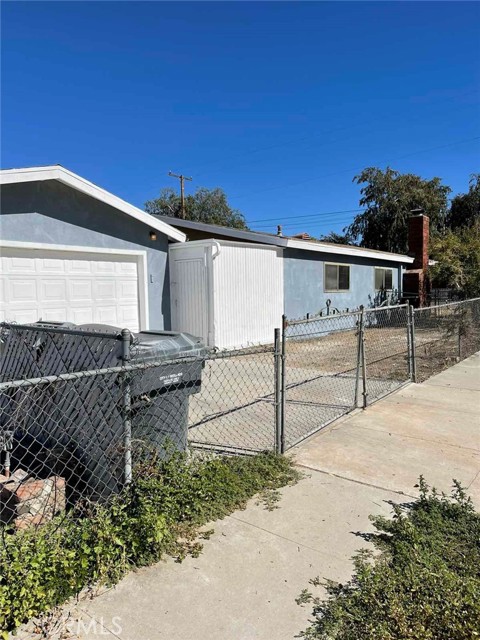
348 251
59 173
283 241
254 236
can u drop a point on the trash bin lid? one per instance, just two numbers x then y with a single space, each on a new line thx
166 345
158 344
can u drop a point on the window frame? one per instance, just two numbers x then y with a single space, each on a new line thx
335 264
384 269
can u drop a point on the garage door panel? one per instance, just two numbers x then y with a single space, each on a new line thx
49 266
127 290
103 268
20 265
104 290
79 266
51 315
106 315
22 316
80 290
21 290
127 315
81 315
53 290
125 268
58 286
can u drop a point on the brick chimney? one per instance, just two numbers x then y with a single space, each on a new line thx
415 279
418 237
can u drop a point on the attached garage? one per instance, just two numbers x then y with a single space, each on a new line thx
73 285
71 251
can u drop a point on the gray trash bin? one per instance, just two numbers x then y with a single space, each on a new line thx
160 394
77 429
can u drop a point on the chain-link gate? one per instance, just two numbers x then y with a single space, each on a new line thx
336 363
235 410
321 372
387 351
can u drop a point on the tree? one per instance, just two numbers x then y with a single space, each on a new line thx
389 197
205 205
457 256
465 207
337 238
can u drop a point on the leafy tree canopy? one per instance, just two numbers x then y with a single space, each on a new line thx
458 260
205 205
337 238
465 207
389 197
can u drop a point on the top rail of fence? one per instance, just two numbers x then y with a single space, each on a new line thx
456 303
291 323
77 375
62 330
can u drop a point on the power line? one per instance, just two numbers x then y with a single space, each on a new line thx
320 133
309 226
306 222
407 155
309 215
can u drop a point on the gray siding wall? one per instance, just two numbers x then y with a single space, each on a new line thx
304 282
52 213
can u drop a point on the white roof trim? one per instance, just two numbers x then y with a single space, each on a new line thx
360 252
284 241
57 172
227 243
231 232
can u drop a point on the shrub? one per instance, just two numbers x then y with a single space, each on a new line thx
96 544
423 585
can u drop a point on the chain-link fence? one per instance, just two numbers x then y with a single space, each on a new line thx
443 335
81 410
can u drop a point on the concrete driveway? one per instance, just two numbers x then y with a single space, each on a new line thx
244 585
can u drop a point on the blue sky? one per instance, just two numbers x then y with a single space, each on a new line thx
280 104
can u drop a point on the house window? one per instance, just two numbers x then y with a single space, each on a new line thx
337 277
383 279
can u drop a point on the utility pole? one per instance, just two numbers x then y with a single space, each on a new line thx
182 191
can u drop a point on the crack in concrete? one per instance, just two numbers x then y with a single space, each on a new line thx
365 484
299 544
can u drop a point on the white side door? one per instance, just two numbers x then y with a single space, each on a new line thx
189 291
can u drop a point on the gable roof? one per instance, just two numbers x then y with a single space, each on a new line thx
217 231
59 173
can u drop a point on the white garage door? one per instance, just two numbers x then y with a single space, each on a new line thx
73 286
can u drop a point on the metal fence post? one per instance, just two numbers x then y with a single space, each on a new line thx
126 408
278 391
409 343
413 356
283 384
460 340
364 363
359 357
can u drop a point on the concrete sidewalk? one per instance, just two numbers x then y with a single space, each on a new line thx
244 585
